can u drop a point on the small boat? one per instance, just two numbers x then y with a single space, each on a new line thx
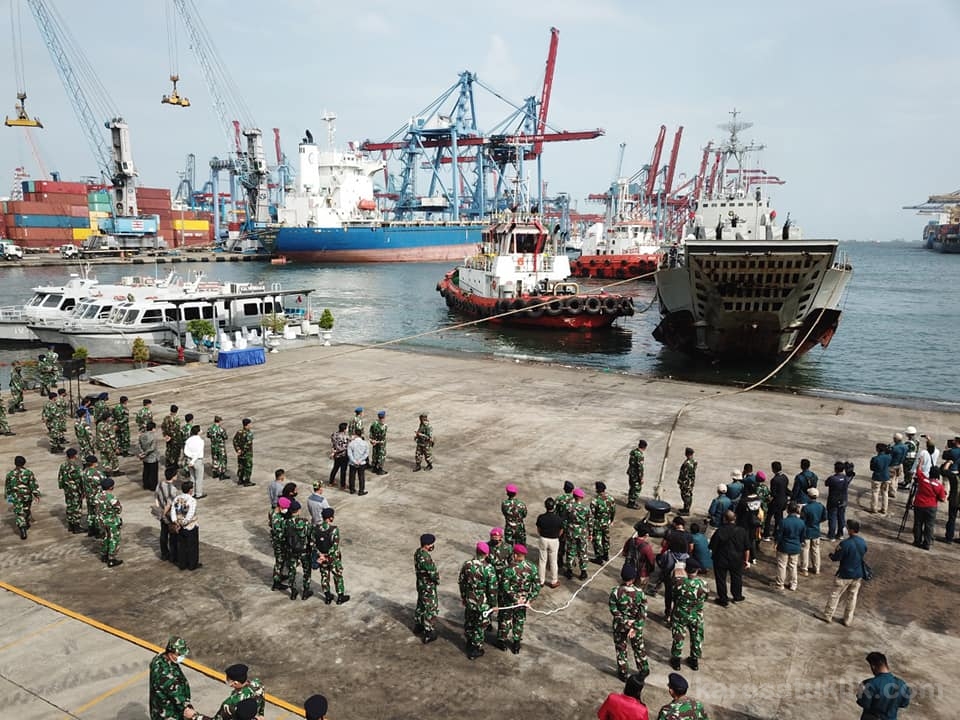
625 249
521 277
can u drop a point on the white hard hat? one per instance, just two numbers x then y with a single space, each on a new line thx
721 488
911 430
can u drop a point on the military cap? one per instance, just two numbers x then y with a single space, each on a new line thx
283 503
90 459
358 409
511 488
237 673
629 572
496 531
326 513
107 483
482 547
382 413
427 539
247 709
317 484
177 645
315 707
677 682
578 493
761 475
600 486
520 549
71 452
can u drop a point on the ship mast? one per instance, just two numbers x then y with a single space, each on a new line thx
737 151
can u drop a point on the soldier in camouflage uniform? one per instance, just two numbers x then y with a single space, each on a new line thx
82 431
101 410
478 593
121 417
243 444
299 547
21 491
356 422
499 553
578 534
514 511
686 480
327 538
628 605
689 595
242 691
378 442
16 388
218 448
169 689
48 371
107 445
172 433
602 511
92 477
4 425
278 538
108 511
562 508
428 578
70 480
519 584
144 415
635 474
56 423
424 439
681 707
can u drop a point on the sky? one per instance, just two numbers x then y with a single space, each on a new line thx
855 100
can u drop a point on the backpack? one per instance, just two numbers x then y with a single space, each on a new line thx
636 558
294 541
324 540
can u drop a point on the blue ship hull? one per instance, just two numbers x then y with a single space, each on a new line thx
387 242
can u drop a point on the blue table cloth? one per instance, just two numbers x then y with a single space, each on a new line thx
240 358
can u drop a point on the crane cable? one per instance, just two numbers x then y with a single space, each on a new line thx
173 49
16 44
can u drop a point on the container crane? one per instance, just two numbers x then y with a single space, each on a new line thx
115 158
22 118
173 51
247 162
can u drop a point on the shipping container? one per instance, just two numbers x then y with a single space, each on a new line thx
82 233
100 213
50 221
153 193
59 198
63 188
201 225
78 211
41 235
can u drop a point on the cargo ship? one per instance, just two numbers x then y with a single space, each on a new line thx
744 287
943 233
332 215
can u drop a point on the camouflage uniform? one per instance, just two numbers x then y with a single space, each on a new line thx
478 592
100 411
121 416
686 479
428 578
16 389
92 476
48 371
635 477
331 563
56 425
107 445
628 605
143 416
243 444
562 508
218 450
424 438
763 492
70 480
519 582
169 689
355 424
4 426
171 428
278 526
689 596
298 534
108 517
84 437
683 709
378 442
227 711
500 556
602 511
514 511
21 490
578 517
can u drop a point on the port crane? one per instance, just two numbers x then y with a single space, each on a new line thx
173 51
246 162
446 134
116 157
22 118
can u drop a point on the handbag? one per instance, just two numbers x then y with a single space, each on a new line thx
867 571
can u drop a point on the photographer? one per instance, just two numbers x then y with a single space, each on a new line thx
929 493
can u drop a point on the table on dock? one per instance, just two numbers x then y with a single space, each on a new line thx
227 359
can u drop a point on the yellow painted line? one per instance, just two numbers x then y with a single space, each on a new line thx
42 630
203 669
112 691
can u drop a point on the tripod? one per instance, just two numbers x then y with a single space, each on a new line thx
906 513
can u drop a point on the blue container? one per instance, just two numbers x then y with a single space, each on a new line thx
50 221
143 225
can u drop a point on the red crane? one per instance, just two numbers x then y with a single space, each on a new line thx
276 145
672 168
547 87
655 162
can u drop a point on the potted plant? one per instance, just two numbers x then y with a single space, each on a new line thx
274 323
200 331
326 325
141 353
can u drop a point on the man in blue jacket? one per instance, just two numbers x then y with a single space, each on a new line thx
790 537
882 696
849 554
814 515
898 452
803 481
880 475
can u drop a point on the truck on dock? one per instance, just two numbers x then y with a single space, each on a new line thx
103 245
9 251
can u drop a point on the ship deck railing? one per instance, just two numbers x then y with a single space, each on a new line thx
12 313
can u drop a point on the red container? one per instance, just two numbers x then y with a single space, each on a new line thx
67 188
37 237
78 211
153 193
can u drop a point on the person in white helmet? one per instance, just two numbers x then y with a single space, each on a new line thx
910 460
898 453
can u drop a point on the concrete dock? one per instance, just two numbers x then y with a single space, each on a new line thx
495 422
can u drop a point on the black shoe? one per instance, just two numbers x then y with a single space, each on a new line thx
248 484
597 560
500 644
632 506
429 637
473 652
643 672
583 574
293 593
675 663
622 674
113 562
341 599
739 599
279 586
429 466
417 629
694 663
23 533
362 492
353 492
515 648
306 594
418 469
104 558
9 432
568 574
721 603
328 597
195 567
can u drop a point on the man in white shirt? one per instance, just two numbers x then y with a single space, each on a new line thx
316 503
183 514
358 452
193 451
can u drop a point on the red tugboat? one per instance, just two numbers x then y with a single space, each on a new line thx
627 249
522 270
